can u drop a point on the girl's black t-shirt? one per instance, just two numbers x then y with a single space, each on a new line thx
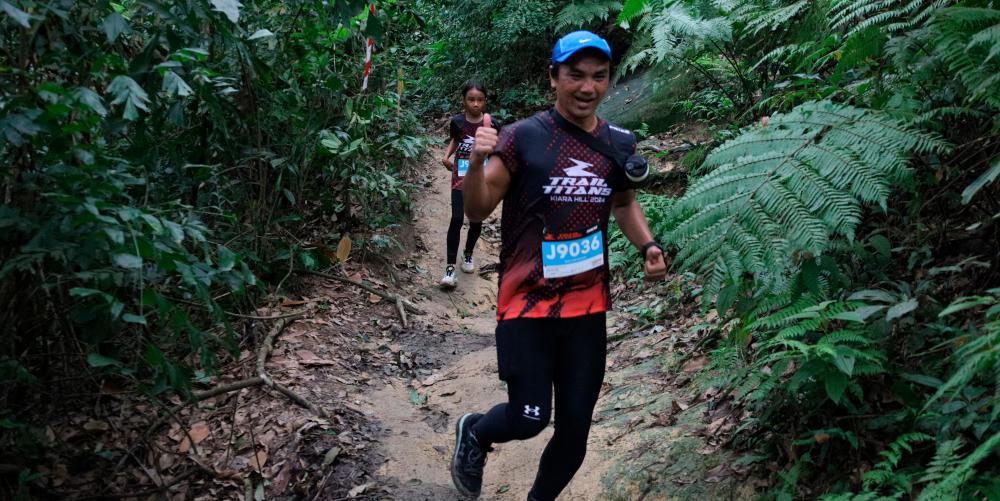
464 133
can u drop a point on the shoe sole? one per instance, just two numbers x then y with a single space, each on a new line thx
454 459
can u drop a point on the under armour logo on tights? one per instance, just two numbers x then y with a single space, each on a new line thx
532 412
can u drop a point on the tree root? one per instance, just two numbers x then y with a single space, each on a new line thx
261 379
410 307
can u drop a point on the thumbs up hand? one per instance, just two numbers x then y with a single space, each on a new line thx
486 141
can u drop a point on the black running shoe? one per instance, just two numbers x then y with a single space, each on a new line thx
469 459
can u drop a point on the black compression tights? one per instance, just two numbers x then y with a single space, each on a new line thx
455 228
534 355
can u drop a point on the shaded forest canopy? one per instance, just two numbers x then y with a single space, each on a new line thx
166 165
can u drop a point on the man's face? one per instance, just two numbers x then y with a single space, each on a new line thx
581 84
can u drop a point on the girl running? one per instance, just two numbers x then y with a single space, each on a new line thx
462 130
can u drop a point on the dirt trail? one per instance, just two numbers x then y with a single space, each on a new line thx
419 436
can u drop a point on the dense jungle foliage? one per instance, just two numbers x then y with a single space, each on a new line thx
165 164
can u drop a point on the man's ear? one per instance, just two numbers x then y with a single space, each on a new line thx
552 77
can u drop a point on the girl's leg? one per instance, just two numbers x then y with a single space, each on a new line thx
455 226
475 229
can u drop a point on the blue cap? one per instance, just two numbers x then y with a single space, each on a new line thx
569 44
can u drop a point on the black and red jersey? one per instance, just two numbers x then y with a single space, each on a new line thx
553 258
463 133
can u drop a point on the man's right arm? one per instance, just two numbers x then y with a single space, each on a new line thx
484 186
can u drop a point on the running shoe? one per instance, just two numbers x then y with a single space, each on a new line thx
469 460
468 265
449 280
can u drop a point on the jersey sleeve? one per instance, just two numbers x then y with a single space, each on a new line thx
454 129
506 148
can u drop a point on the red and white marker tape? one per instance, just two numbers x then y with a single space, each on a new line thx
368 54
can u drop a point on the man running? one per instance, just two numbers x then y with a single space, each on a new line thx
558 194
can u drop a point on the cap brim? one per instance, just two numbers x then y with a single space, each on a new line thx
566 55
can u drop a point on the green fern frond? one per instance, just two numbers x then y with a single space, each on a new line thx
790 188
772 20
889 16
949 486
582 13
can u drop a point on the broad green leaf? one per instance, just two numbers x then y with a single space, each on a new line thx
19 16
90 99
176 231
134 319
966 303
128 91
98 360
881 244
923 379
17 125
129 261
174 84
988 177
845 363
872 295
835 384
859 315
153 222
901 309
114 25
116 235
631 9
231 8
263 33
227 259
85 292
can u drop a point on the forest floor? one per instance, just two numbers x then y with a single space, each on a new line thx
391 395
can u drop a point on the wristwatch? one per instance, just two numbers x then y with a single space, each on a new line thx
645 248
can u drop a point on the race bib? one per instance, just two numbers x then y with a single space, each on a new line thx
463 166
572 253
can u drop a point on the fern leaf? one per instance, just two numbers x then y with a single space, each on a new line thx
791 188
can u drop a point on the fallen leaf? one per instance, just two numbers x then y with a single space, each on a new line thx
374 298
357 491
331 456
95 425
715 475
679 406
695 364
280 481
258 460
821 438
503 488
319 361
184 446
344 248
306 356
199 432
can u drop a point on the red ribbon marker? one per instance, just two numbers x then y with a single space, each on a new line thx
369 46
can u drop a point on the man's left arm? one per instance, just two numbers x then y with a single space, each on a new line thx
628 214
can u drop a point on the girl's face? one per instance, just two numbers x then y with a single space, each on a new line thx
474 101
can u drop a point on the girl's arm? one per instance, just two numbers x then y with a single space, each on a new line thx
447 161
449 153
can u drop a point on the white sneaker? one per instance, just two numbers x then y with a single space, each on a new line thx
468 265
449 280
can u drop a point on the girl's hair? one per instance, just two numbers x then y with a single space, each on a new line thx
473 84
